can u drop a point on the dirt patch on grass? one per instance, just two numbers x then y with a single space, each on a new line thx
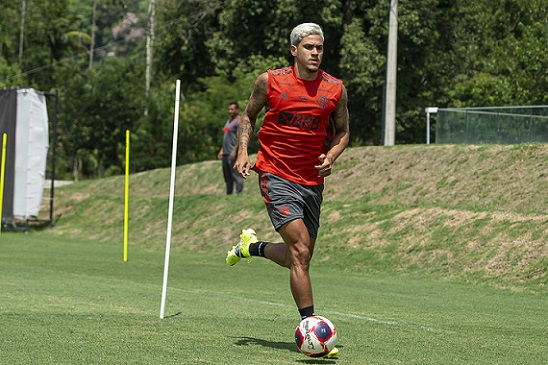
69 202
502 244
507 178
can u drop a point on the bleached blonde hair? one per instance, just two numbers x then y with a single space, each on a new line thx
304 30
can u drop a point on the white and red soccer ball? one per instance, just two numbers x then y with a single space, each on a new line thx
315 336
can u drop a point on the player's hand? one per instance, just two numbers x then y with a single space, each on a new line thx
242 166
325 166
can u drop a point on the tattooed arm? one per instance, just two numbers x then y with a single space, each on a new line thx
257 101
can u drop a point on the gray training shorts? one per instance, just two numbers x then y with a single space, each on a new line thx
286 201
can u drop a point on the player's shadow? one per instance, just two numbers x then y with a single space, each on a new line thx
289 346
248 341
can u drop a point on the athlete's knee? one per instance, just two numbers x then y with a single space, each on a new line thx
302 254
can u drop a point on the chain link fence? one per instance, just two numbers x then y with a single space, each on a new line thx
496 125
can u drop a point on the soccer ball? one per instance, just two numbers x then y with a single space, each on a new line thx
315 336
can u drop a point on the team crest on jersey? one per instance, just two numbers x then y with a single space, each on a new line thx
322 102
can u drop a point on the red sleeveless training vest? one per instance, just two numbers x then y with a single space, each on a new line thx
293 132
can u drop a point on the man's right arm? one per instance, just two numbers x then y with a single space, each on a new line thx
256 103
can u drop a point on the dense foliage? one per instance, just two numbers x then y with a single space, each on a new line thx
450 53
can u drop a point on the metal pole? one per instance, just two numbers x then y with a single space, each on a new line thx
3 175
92 44
427 126
391 71
126 197
22 32
428 111
171 196
53 155
149 46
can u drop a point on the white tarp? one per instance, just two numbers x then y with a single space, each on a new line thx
31 150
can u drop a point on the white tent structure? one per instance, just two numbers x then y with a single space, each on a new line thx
24 118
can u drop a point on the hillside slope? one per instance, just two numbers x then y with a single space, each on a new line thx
462 212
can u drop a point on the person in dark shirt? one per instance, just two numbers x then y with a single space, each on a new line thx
227 153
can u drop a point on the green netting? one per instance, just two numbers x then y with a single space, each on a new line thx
502 125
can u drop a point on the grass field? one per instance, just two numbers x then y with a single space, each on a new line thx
67 301
426 255
465 213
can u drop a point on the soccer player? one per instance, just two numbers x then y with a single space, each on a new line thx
296 153
227 153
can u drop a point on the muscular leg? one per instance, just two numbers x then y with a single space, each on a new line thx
278 252
295 254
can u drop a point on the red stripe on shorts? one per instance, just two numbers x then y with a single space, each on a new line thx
264 187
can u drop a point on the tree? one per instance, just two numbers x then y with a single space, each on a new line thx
450 53
181 33
512 71
96 107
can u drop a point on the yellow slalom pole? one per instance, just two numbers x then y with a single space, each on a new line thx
126 198
4 146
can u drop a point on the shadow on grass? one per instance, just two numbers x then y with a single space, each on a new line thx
248 341
172 315
316 361
289 346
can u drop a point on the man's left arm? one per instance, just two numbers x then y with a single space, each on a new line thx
340 138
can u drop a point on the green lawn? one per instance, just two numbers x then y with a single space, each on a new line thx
65 301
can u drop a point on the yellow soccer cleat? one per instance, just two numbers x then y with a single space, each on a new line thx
332 354
247 237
